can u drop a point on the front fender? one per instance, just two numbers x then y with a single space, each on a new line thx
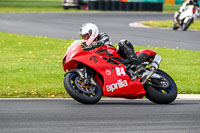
187 19
79 71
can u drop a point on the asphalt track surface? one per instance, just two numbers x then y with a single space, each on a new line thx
108 116
116 25
115 116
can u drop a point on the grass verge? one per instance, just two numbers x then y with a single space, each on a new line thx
167 8
32 66
50 6
169 24
32 6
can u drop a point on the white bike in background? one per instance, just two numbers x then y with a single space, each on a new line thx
187 17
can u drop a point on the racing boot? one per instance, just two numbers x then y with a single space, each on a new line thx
135 62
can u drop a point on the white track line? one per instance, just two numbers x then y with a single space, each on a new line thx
179 97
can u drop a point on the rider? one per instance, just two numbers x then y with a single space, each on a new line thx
188 2
185 4
90 33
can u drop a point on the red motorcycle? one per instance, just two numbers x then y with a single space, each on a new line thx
92 74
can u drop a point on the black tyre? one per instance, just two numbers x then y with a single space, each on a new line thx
65 7
185 26
78 7
161 90
175 27
84 94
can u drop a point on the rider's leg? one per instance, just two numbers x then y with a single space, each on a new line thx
125 49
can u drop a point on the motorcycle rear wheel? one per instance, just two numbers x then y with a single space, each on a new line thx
161 95
77 92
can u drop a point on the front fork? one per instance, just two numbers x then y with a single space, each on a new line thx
88 76
84 74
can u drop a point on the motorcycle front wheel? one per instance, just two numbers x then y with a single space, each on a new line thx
162 90
86 94
186 25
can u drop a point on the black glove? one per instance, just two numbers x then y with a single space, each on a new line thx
93 45
87 48
96 44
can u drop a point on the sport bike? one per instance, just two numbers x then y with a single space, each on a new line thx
91 74
186 18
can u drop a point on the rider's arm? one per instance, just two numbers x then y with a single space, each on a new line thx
103 39
185 4
93 45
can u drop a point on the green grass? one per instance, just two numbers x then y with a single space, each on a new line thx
50 6
170 8
30 3
32 66
182 65
169 24
32 6
35 9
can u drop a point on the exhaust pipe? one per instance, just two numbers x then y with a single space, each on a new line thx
153 67
156 62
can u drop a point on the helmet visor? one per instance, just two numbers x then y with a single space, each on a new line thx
85 36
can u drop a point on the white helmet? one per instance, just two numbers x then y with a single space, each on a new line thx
89 32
